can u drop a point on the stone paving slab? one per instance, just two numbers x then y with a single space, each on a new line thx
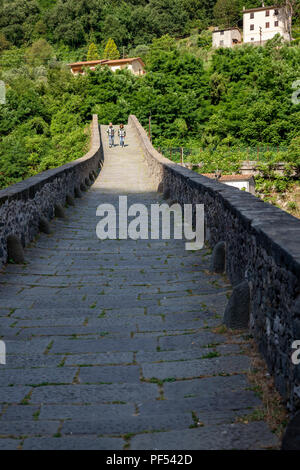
30 361
28 428
9 444
224 437
128 424
111 374
99 359
37 376
104 393
190 341
111 343
73 443
205 386
186 355
103 345
13 394
196 368
86 412
34 346
20 412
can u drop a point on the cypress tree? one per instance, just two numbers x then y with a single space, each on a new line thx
111 51
93 52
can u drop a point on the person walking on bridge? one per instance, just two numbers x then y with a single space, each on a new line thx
122 134
111 135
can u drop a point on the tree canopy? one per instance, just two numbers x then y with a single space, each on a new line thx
111 51
198 97
92 52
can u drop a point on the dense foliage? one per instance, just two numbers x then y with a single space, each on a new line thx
72 25
40 126
242 99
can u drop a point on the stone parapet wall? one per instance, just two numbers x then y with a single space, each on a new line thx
23 204
262 247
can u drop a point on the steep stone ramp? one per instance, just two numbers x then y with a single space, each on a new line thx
112 344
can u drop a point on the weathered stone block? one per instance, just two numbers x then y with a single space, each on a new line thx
83 187
77 192
44 225
167 193
70 200
218 258
236 315
59 212
15 250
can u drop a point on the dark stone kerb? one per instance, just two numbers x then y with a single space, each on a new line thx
262 249
24 204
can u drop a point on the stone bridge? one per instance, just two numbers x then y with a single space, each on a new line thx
119 344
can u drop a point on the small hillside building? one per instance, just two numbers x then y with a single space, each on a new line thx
262 24
242 182
134 64
226 37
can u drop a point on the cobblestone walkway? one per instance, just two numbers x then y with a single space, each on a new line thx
111 344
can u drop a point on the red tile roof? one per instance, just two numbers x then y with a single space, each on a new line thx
106 62
250 10
229 177
87 62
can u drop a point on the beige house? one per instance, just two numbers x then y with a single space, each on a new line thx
134 64
226 37
262 24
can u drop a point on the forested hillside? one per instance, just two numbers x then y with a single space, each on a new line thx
70 25
222 103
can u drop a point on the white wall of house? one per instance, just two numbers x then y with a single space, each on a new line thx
135 67
239 184
225 38
271 21
118 67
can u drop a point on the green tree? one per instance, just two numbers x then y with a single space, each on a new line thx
40 29
93 52
164 44
71 22
140 51
39 53
111 51
4 44
17 19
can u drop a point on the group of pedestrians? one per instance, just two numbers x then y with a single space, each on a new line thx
111 135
